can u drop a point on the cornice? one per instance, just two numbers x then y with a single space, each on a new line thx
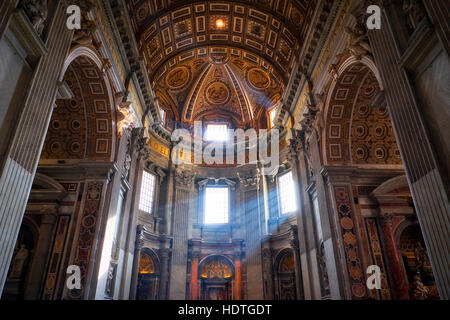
358 175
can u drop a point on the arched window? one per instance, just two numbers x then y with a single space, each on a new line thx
216 204
147 192
286 192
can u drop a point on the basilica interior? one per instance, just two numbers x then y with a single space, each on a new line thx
106 105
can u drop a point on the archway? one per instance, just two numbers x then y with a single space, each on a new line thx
216 274
19 268
416 262
81 133
82 126
285 284
357 129
148 276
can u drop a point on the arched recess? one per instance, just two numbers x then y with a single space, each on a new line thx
285 282
84 126
416 263
21 262
216 273
357 129
148 275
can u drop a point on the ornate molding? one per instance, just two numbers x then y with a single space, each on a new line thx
184 178
250 179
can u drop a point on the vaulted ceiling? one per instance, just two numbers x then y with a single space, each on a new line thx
216 60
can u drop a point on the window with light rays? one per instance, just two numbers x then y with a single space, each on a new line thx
162 113
273 112
147 192
216 132
287 193
216 205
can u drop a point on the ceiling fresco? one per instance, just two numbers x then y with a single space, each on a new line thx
229 59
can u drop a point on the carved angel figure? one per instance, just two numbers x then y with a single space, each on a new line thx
37 10
419 290
421 256
414 11
357 44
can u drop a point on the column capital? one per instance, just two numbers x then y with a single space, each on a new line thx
386 219
250 179
184 178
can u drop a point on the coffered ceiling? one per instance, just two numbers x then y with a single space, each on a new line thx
230 57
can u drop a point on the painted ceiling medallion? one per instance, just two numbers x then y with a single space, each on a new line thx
178 78
258 78
217 92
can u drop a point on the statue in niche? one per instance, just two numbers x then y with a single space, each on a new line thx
37 10
414 12
357 43
421 256
18 262
109 280
323 269
419 290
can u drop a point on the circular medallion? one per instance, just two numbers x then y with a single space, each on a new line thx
361 152
217 93
380 131
347 223
363 111
258 78
383 112
361 130
358 290
177 78
381 152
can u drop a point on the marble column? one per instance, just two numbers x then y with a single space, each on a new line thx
137 254
334 266
249 183
164 258
298 273
41 255
307 251
267 254
20 161
184 181
398 274
237 276
426 180
194 276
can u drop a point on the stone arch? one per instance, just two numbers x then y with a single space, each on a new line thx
284 269
356 132
154 259
84 126
148 275
213 257
391 185
216 275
